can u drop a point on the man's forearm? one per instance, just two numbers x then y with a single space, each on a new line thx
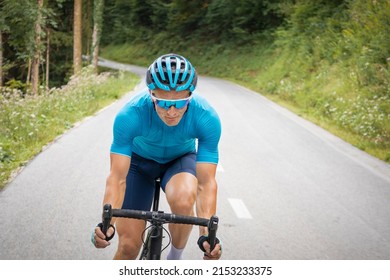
206 203
114 194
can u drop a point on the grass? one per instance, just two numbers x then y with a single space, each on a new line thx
28 123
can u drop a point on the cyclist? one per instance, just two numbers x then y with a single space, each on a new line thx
156 135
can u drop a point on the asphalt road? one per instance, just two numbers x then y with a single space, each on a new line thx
287 188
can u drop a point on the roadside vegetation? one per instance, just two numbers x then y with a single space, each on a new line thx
30 122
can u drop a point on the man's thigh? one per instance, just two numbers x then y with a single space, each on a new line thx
184 164
140 183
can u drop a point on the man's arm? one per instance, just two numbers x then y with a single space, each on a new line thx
114 194
206 202
116 181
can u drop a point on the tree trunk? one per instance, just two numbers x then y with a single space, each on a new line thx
1 59
28 72
37 51
47 59
77 36
97 27
88 18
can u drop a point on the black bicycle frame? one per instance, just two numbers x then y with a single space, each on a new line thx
155 234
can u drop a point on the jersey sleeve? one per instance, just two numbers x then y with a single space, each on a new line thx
209 133
126 128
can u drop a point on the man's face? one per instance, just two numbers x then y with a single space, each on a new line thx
171 116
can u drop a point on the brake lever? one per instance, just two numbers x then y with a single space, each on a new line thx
212 228
106 219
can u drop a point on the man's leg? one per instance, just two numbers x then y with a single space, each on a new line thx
138 196
181 196
130 238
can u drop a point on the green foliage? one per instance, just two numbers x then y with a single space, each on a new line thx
17 22
337 68
184 18
229 20
20 16
16 84
128 20
30 122
136 21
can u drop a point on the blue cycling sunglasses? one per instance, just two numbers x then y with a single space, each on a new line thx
168 103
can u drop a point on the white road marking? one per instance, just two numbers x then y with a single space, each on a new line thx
239 208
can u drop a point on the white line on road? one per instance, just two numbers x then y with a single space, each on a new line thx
239 208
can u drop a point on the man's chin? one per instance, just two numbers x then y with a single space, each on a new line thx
173 122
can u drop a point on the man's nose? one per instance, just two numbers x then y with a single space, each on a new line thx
172 111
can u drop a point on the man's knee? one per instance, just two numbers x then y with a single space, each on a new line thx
181 193
130 238
129 249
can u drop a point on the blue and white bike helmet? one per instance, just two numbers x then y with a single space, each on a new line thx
171 72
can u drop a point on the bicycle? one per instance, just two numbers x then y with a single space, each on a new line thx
152 245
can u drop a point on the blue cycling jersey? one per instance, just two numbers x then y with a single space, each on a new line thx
138 129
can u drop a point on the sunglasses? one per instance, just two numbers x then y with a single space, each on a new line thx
168 103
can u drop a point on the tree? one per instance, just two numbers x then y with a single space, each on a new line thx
184 17
18 21
47 58
2 28
77 36
37 50
60 24
97 27
17 46
1 58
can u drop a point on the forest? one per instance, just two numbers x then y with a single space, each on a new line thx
327 60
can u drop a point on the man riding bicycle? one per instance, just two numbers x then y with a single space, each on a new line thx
155 136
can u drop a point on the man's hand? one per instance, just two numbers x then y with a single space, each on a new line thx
99 239
213 255
204 245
